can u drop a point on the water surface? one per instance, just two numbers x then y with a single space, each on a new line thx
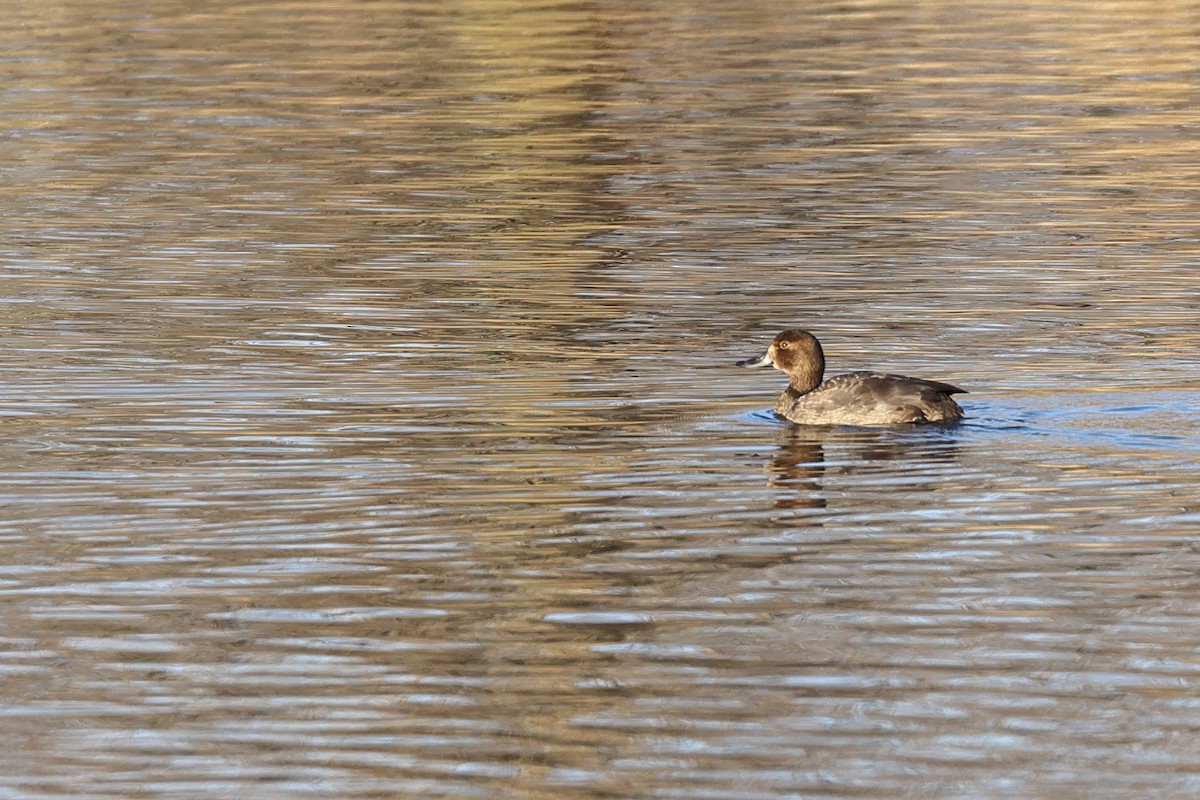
371 428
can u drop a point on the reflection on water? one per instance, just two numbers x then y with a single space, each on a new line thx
371 429
797 466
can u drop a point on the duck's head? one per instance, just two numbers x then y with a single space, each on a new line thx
796 353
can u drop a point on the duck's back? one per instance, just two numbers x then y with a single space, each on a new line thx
872 398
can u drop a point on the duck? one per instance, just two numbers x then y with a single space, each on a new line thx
869 399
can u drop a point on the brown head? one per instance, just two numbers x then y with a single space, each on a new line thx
796 353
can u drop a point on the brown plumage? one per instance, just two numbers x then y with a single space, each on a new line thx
856 398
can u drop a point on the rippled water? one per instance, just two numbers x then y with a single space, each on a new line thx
371 428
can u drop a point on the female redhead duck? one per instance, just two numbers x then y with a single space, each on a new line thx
856 398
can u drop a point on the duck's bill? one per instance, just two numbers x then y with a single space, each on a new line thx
761 361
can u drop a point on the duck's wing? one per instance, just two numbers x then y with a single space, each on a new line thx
893 399
938 386
882 384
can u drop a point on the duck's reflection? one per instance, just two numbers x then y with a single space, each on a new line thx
796 468
807 457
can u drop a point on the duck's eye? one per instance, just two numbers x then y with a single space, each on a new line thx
783 345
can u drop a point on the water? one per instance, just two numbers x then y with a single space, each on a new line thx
371 428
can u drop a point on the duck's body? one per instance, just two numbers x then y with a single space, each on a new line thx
856 398
871 398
